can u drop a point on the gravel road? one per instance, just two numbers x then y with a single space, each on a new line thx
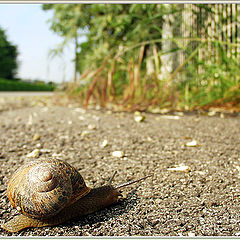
195 160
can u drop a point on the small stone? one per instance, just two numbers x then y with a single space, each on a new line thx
137 113
139 118
222 115
81 118
118 154
193 143
57 155
84 133
191 234
179 114
45 150
168 117
45 109
34 154
98 107
97 118
149 139
92 126
36 137
200 172
180 168
30 120
212 113
80 110
104 143
39 145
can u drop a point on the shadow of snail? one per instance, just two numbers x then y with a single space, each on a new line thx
51 192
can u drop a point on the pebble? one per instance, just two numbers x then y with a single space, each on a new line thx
104 143
180 168
191 234
2 188
92 126
44 150
80 110
118 154
38 145
193 143
30 120
139 118
36 137
168 117
57 155
84 133
34 154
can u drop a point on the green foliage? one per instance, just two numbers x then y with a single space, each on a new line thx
8 85
121 60
218 83
107 26
8 57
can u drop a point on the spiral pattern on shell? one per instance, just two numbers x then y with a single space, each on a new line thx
41 189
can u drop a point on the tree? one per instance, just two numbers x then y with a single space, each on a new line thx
106 27
8 57
67 20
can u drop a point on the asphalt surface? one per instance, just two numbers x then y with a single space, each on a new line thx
195 160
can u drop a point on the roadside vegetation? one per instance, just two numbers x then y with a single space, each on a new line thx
10 85
150 56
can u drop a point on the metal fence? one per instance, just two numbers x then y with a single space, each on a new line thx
217 23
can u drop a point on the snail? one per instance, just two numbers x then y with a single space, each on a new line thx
50 192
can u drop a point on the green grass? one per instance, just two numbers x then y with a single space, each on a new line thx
11 85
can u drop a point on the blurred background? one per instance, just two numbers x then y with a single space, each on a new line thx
124 56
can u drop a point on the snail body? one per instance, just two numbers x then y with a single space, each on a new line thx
51 192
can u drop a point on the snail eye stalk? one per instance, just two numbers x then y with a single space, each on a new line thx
111 178
133 181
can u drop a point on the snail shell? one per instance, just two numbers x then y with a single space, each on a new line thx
40 189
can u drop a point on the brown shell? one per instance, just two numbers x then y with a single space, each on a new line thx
40 189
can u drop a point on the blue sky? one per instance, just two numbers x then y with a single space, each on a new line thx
27 27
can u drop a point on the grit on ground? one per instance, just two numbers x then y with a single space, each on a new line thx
195 160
